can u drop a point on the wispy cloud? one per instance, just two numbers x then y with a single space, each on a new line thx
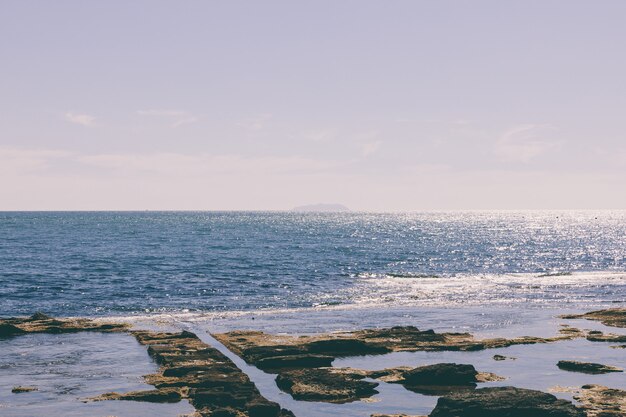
175 118
370 148
80 119
178 164
320 135
18 161
523 143
257 123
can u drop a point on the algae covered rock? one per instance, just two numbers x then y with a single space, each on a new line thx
504 402
441 374
41 323
601 401
164 395
21 389
614 317
326 384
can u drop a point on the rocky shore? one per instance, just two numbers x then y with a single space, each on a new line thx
190 369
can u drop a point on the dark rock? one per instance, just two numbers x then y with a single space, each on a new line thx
225 412
502 358
295 361
393 415
437 379
259 408
346 347
441 374
40 316
8 330
326 385
587 367
504 402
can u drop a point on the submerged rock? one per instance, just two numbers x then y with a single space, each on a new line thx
21 389
504 402
326 384
587 367
614 317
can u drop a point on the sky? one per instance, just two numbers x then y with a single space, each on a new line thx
250 105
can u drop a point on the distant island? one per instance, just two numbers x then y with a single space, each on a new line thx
324 208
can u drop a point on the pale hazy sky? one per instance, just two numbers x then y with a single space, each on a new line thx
378 105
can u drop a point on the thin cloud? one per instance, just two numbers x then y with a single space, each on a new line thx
370 148
176 117
19 162
80 119
523 143
257 123
320 135
205 165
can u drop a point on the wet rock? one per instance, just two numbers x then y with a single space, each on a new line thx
393 415
587 367
441 374
331 385
166 395
21 389
40 323
504 402
255 347
40 316
437 379
8 330
214 385
600 401
346 347
606 337
294 361
614 317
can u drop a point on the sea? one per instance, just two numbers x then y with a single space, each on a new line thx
129 263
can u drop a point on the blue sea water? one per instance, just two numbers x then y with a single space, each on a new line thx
124 263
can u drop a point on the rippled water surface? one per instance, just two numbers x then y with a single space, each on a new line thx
110 263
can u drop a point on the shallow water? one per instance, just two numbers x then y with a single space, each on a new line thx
67 369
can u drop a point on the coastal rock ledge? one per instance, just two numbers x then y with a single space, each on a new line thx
504 402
